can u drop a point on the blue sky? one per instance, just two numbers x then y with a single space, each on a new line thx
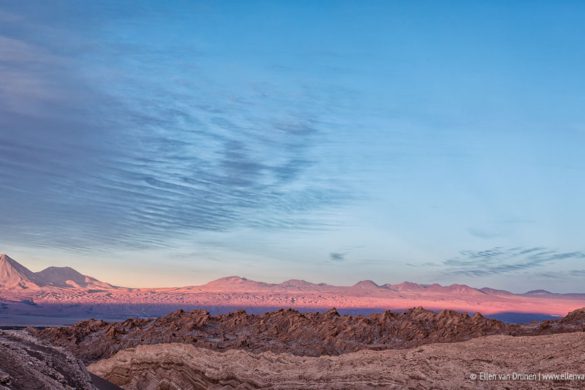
155 143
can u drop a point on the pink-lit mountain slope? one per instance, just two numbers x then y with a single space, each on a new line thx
67 286
15 276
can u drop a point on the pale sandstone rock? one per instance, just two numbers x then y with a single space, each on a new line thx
434 366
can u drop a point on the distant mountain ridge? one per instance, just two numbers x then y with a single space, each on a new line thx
66 286
14 275
238 283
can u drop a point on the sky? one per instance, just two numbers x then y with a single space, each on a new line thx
171 143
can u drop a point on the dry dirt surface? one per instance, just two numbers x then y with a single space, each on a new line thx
27 364
302 334
434 366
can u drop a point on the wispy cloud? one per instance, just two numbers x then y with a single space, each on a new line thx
484 233
336 256
92 156
505 260
343 253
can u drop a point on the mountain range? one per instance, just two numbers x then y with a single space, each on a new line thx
90 297
15 276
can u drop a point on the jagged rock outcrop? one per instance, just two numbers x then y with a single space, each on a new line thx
434 366
26 364
572 322
306 334
576 317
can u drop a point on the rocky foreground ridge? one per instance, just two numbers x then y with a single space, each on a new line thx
301 334
26 363
434 366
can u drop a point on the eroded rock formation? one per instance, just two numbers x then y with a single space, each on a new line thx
303 334
27 364
434 366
